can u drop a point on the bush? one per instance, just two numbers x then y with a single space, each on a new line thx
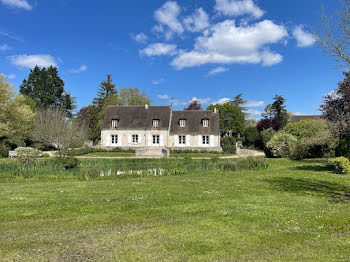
4 149
299 150
341 164
88 150
251 135
27 155
343 149
228 144
70 162
281 143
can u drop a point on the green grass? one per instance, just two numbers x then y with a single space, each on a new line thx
110 154
290 211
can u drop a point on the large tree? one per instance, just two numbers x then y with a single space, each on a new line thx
132 97
16 115
194 105
107 89
46 89
277 110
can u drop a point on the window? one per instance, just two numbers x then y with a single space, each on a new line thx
205 122
114 139
182 122
114 124
182 140
155 139
205 140
135 139
155 123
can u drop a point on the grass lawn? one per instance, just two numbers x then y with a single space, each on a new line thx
290 211
109 154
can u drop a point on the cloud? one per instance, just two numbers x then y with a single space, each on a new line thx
141 38
79 70
157 82
304 39
238 8
17 4
202 101
163 97
253 112
11 36
5 47
221 101
217 70
226 43
158 49
10 76
197 22
167 15
30 61
253 103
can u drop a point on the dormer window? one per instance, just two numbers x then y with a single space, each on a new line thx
182 123
205 122
114 123
155 123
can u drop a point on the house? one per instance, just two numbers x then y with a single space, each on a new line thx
142 127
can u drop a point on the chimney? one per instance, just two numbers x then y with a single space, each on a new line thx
146 106
215 111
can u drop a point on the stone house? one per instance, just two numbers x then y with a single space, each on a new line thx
144 127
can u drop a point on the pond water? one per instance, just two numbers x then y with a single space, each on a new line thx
150 171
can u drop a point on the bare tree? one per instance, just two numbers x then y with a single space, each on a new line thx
52 127
333 34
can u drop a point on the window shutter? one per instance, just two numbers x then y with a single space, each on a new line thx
176 140
108 140
129 139
149 140
211 140
161 140
188 137
199 140
140 139
120 140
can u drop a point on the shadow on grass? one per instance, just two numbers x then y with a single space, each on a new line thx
332 191
317 168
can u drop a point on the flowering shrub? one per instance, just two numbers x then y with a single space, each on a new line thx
281 143
341 164
27 155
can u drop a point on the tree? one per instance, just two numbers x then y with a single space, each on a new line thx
336 107
52 127
277 110
15 116
132 97
194 105
107 89
231 119
46 89
240 102
267 123
333 34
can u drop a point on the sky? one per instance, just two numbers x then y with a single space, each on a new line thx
175 51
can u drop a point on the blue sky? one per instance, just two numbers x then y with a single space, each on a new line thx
208 50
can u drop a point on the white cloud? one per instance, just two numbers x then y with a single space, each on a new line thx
238 8
158 49
17 4
217 70
79 70
163 97
202 101
141 38
167 15
197 22
253 112
30 61
157 82
221 101
303 38
10 76
253 103
227 43
4 47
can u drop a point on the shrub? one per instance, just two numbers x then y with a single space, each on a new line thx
4 149
27 155
70 162
228 144
251 135
343 149
341 164
281 143
299 150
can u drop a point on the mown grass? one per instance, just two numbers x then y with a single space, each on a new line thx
289 211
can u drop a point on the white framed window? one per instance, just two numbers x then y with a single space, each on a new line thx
135 139
114 139
182 140
205 122
114 124
182 123
156 139
205 140
155 123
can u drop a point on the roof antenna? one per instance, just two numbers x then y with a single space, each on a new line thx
171 101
